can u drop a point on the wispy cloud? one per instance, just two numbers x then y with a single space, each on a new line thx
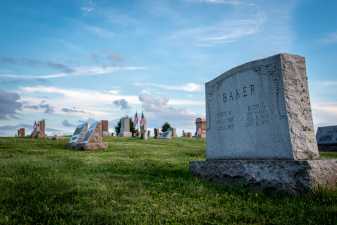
226 31
330 38
227 2
188 87
99 31
77 71
88 6
28 62
72 110
47 108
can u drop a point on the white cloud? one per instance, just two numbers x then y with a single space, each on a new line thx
92 103
188 87
99 31
77 71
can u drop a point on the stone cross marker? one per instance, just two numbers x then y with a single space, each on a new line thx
260 129
261 110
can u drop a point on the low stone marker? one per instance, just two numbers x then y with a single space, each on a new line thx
88 139
327 138
260 129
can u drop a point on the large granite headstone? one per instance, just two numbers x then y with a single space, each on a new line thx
327 138
260 128
125 127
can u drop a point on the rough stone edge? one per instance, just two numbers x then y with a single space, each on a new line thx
297 104
289 176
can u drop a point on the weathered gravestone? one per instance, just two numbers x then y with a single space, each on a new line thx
166 135
105 127
174 132
200 128
21 132
39 129
156 132
327 138
260 129
88 139
125 127
79 134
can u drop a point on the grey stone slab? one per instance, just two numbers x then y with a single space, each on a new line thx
327 135
261 110
166 135
125 127
292 176
79 133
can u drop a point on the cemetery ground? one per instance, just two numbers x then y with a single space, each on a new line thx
136 182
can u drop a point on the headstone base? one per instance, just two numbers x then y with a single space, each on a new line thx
88 146
125 134
291 176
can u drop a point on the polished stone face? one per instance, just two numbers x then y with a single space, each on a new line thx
261 110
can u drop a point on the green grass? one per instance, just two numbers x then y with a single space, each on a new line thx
136 182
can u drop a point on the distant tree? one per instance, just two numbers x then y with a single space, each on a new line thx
166 126
118 127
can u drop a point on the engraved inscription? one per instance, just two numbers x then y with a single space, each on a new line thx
225 120
236 94
257 115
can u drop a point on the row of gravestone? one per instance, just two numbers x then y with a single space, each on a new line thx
259 129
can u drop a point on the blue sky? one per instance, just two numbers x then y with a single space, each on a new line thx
74 60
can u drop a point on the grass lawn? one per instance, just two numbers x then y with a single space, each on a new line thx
136 182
